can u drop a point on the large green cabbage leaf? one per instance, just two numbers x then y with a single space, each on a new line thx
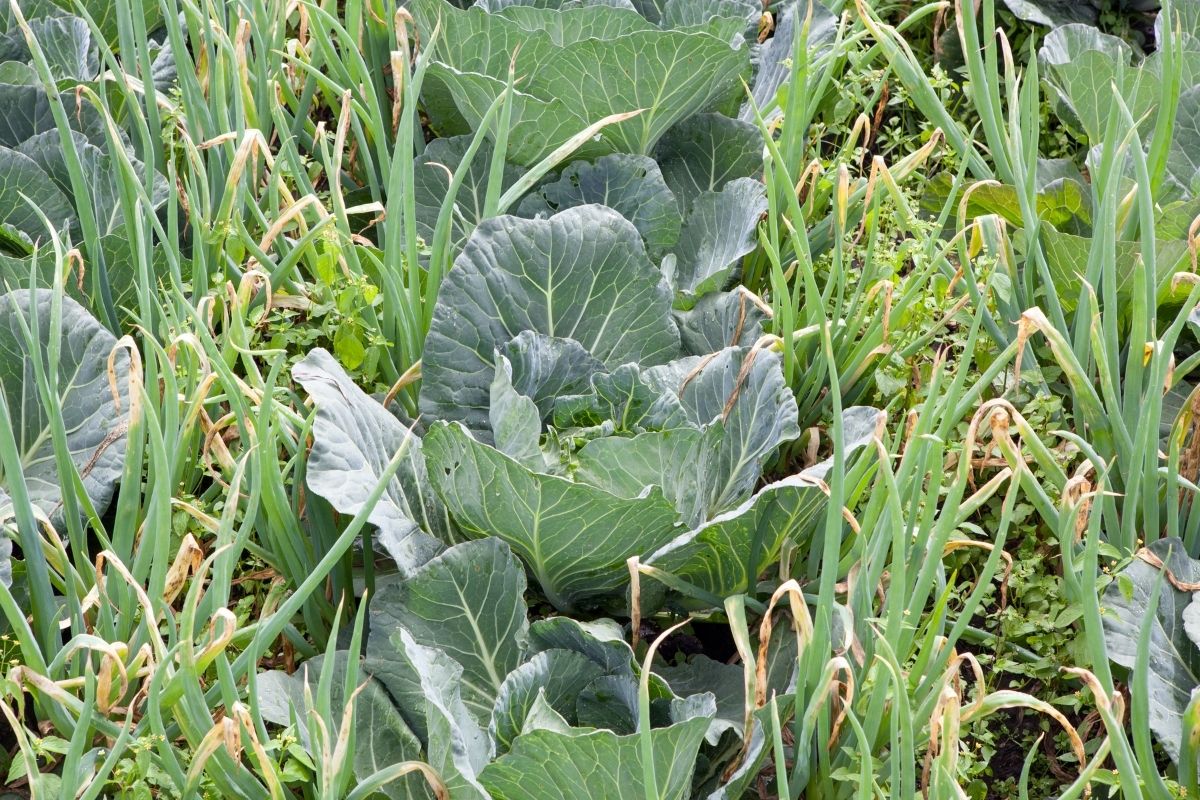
103 13
1173 657
578 65
1081 65
455 675
574 538
726 555
631 185
354 439
775 60
432 171
719 231
65 41
383 738
6 548
427 683
33 162
722 319
583 274
555 678
468 602
91 396
596 764
705 152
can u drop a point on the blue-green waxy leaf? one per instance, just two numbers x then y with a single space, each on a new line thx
381 736
1174 646
27 113
601 640
1186 15
469 603
729 26
583 274
775 61
100 172
705 152
738 783
33 167
1064 202
574 538
15 247
1067 259
25 188
604 61
65 41
745 389
515 421
719 231
705 429
33 170
545 368
570 22
427 686
17 74
555 675
538 126
650 9
710 426
354 439
1183 158
687 13
544 717
624 397
609 702
758 750
432 171
120 262
474 42
1080 65
631 185
675 74
720 320
700 705
1053 13
91 396
725 556
860 426
676 461
103 12
594 764
702 674
495 6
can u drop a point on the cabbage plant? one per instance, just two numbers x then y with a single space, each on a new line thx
59 171
1152 628
67 391
455 674
582 62
557 372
